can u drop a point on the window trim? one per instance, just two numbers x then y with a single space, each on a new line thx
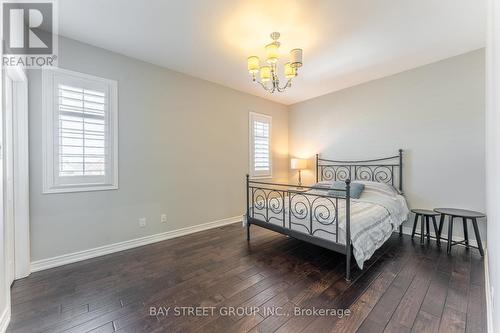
252 172
49 181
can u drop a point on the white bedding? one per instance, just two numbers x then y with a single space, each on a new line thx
374 216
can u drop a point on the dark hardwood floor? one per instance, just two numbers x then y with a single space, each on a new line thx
404 287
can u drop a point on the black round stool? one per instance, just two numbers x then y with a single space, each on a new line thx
425 215
464 215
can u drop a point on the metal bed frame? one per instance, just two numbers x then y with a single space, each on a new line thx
264 198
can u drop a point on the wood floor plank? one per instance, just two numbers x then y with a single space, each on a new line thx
452 321
369 289
454 316
426 323
476 311
388 303
409 306
436 295
339 295
273 322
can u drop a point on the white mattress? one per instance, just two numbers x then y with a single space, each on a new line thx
374 216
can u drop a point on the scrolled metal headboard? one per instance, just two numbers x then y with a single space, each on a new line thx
387 170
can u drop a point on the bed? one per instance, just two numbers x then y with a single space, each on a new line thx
334 219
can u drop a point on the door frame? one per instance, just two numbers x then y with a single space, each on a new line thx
8 179
20 163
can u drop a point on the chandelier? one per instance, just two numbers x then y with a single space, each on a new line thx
269 79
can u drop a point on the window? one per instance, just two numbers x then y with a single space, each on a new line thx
260 145
79 132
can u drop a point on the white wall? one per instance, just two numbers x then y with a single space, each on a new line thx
4 288
435 113
183 151
493 159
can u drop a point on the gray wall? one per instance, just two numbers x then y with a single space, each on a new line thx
183 151
435 113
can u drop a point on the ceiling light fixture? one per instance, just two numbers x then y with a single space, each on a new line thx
269 72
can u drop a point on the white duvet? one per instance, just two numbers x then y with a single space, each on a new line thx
374 216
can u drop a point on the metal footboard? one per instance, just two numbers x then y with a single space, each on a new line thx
301 213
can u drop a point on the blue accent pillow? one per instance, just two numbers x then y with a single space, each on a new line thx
338 190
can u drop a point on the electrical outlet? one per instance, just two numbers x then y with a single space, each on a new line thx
163 218
142 222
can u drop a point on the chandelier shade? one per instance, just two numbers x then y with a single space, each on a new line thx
296 58
253 64
269 72
272 53
290 72
265 73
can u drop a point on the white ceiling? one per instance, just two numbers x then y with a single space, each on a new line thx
345 42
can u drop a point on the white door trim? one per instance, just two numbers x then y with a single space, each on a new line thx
8 179
22 257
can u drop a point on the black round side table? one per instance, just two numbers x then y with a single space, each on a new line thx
465 215
426 215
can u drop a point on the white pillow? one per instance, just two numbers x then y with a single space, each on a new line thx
384 188
381 187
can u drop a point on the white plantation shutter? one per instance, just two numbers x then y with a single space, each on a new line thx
260 145
80 127
81 130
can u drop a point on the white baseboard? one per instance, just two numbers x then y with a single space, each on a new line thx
4 319
111 248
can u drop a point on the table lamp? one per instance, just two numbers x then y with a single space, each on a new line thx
298 164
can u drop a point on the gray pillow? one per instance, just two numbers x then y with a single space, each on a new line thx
338 190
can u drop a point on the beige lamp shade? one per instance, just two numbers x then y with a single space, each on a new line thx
253 64
290 72
298 164
265 73
296 58
272 53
